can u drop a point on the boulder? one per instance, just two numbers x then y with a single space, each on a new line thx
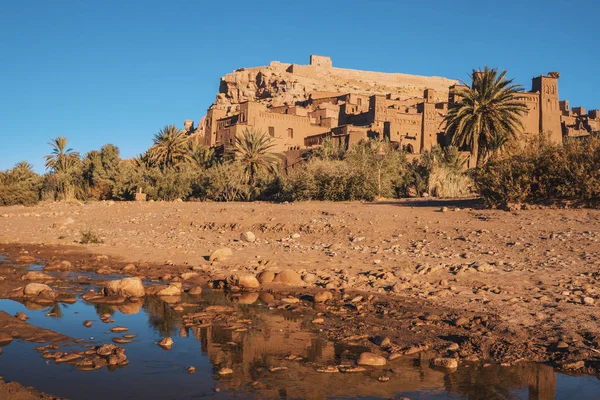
309 278
195 291
247 282
371 359
25 260
288 277
444 362
266 276
189 275
322 296
34 289
173 289
128 287
166 343
220 254
129 268
36 276
59 266
248 237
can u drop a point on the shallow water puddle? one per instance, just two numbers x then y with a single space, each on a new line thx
256 352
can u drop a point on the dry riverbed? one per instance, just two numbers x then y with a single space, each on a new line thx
465 284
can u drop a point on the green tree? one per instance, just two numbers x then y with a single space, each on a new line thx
487 114
64 164
170 147
201 156
20 185
253 150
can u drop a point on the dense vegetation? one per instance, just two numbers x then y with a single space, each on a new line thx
484 120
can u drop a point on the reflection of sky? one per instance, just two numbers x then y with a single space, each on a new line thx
154 373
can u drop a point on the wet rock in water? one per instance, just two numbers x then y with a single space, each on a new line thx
309 278
322 296
5 338
248 237
59 266
34 289
266 277
36 276
87 324
129 335
67 358
21 316
225 371
330 369
104 270
348 369
189 275
220 254
119 329
191 369
165 343
106 349
128 287
444 362
288 277
173 289
25 260
370 359
119 340
195 291
246 281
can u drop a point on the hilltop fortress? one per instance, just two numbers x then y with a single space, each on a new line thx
301 105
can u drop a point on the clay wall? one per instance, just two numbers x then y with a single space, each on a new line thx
320 61
550 111
531 119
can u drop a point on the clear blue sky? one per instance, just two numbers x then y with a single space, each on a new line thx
116 72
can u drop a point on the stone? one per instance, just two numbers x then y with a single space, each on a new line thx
119 329
21 316
220 254
129 268
322 296
195 291
444 362
225 371
191 369
309 278
266 277
588 301
165 343
87 324
128 287
171 290
288 277
248 237
5 338
189 275
25 260
248 282
34 289
119 340
371 359
36 276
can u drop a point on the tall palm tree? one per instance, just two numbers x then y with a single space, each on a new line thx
253 149
201 156
62 159
63 162
487 114
170 147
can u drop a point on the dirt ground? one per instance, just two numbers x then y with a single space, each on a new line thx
507 286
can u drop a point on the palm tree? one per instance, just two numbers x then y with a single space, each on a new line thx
170 147
64 163
487 114
253 150
200 155
62 159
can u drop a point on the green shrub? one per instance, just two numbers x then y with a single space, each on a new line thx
20 185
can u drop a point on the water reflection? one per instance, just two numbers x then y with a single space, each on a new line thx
256 343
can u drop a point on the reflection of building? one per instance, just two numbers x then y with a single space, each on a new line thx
412 119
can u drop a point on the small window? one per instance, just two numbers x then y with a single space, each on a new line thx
359 101
290 133
272 131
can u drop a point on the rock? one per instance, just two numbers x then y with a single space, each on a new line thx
461 321
248 237
119 329
322 296
295 236
106 349
87 324
25 260
59 266
371 359
444 362
34 289
36 276
21 316
195 291
220 254
191 369
121 340
129 268
266 276
172 290
128 287
318 321
288 277
588 301
309 278
189 275
225 371
104 270
248 282
290 300
165 343
330 369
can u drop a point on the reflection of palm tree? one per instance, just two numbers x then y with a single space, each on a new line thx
160 316
55 311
